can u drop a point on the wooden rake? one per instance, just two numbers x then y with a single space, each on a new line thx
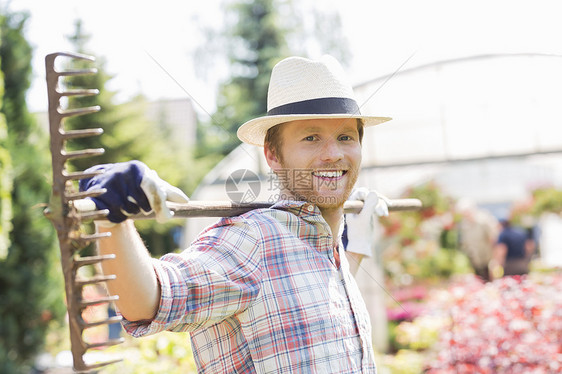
67 213
67 220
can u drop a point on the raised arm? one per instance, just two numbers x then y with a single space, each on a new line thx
130 187
136 282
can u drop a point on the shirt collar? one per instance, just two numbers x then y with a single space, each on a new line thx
299 208
306 211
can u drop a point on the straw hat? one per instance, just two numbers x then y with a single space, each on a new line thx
300 89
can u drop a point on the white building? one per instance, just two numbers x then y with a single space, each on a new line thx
488 128
484 127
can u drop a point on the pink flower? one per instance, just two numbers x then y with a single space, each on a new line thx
512 325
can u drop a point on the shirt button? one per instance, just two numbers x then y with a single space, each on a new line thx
310 208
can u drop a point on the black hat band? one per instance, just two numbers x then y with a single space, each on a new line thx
325 105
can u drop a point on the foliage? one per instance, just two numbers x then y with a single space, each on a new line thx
403 362
421 260
547 200
255 42
255 36
422 333
316 30
5 199
129 135
30 283
165 352
422 244
432 198
6 183
541 200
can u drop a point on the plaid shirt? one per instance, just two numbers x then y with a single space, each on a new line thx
259 293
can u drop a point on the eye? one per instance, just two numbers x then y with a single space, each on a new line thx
309 138
346 137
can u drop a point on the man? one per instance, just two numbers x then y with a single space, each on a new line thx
512 252
477 236
269 291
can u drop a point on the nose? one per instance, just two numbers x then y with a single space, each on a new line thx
331 151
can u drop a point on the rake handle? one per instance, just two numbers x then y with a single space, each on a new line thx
195 208
228 208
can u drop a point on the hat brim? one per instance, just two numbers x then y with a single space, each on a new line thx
253 132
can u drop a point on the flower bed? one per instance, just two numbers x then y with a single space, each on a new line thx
512 325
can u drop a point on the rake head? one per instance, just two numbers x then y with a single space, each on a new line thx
65 217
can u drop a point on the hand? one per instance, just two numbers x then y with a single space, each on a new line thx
131 187
360 225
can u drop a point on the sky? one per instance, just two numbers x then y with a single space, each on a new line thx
149 46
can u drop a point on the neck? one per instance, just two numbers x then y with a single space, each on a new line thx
332 215
333 218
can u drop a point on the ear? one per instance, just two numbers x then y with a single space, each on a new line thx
271 157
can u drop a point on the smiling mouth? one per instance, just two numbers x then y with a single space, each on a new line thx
329 173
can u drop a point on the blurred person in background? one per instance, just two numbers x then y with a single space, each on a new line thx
512 252
477 236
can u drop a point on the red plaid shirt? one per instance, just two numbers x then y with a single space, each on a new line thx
259 293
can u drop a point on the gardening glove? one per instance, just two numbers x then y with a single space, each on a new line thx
131 187
359 227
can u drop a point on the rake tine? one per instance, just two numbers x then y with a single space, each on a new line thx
82 195
79 111
94 280
95 236
107 343
79 56
108 321
67 155
74 134
102 300
83 239
79 175
92 367
84 92
70 73
93 216
91 260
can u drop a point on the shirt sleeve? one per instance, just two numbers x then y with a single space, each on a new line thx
217 277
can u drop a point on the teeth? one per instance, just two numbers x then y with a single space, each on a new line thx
328 174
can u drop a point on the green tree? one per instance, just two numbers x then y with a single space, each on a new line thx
128 134
6 183
30 283
256 35
254 41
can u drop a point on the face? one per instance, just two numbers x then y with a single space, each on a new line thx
318 160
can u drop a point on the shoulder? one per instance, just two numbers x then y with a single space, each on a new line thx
227 227
250 223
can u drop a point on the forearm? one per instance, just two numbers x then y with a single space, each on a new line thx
136 282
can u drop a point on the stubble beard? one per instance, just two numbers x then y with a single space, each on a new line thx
323 199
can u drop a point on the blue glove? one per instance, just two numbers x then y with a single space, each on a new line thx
131 187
